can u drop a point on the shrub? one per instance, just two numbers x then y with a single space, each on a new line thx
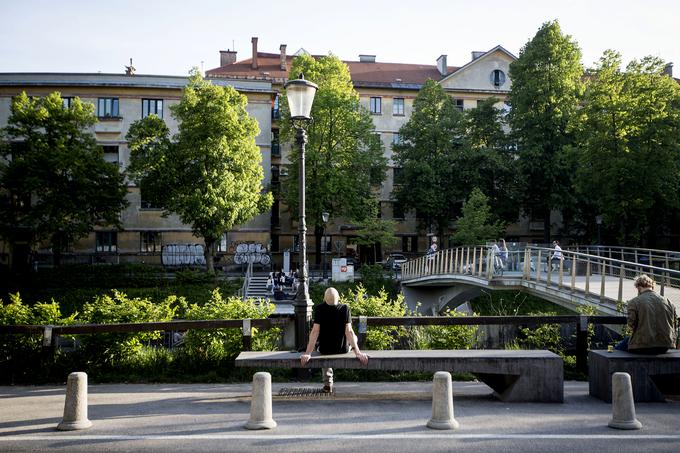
219 344
544 336
445 337
374 280
362 304
112 348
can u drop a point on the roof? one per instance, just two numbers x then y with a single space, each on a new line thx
366 74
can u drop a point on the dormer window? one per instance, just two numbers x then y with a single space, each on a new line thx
497 78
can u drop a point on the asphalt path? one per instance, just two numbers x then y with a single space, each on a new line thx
375 417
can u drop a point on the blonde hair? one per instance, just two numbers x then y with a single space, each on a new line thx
331 296
644 281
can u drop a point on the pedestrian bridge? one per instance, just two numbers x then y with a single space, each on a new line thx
595 276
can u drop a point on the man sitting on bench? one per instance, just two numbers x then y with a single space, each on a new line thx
333 328
652 319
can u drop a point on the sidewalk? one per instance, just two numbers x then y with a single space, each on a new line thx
360 416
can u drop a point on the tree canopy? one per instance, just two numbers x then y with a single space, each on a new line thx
476 224
343 157
545 94
629 155
210 172
54 182
426 157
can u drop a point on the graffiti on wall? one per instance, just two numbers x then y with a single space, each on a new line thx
252 252
182 255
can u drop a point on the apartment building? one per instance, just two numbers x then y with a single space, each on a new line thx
387 91
119 100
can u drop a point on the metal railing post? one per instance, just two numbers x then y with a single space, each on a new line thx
582 344
481 261
247 335
587 278
538 267
573 273
622 273
602 284
560 275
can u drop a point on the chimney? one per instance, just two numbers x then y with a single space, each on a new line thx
668 69
227 57
367 58
254 65
283 57
441 65
476 54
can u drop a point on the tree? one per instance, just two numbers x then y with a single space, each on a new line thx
630 149
545 93
487 161
54 184
344 156
426 157
475 225
209 173
375 230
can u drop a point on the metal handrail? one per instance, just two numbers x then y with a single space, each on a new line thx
576 272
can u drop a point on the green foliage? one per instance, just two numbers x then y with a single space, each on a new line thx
443 337
545 95
363 304
543 336
373 229
374 278
193 276
426 156
475 225
629 147
112 348
343 157
210 172
55 184
513 303
215 345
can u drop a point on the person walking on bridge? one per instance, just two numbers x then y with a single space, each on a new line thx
652 319
333 328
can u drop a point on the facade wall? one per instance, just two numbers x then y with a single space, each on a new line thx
137 218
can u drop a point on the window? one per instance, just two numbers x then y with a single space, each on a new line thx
107 108
397 175
150 241
397 210
376 106
396 138
66 102
497 78
275 243
459 104
111 153
152 107
409 244
276 108
145 203
398 106
275 219
106 241
276 146
222 244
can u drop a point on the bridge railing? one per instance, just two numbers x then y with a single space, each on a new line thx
598 276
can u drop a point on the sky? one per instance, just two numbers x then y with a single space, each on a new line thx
171 36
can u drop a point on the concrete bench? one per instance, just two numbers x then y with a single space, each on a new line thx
652 376
514 375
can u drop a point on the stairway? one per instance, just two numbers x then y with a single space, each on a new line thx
257 287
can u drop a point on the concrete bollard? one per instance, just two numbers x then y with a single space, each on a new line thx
623 406
442 402
75 407
261 403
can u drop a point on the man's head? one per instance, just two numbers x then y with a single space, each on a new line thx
331 296
644 283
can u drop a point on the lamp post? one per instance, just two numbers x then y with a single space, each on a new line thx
324 217
598 220
300 94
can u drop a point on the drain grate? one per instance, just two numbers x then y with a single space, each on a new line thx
303 392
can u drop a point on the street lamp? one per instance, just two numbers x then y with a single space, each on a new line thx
598 220
324 217
300 94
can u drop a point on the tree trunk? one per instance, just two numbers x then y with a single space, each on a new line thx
546 226
318 235
208 254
